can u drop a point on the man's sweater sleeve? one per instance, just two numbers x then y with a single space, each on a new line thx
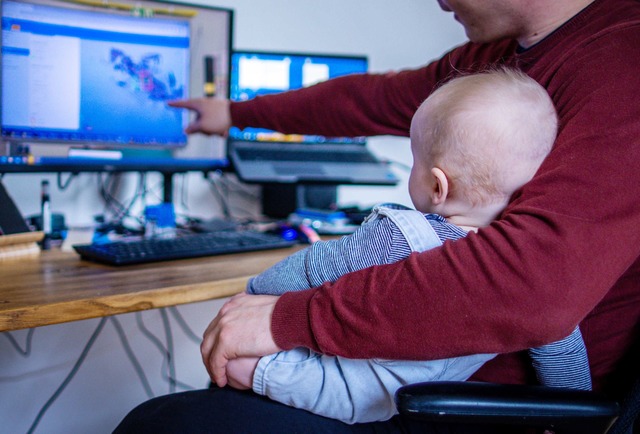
335 107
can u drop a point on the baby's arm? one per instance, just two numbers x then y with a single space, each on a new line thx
563 363
240 372
376 242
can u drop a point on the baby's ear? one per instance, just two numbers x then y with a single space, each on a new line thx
440 190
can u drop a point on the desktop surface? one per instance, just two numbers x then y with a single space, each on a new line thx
57 286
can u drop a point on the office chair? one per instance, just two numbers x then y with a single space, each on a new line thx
563 411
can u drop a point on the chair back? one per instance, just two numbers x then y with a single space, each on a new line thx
629 408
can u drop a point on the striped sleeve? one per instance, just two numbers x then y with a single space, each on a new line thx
379 241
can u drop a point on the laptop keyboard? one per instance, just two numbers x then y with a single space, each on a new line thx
308 155
189 246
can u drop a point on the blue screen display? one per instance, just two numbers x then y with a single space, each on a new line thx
255 73
81 76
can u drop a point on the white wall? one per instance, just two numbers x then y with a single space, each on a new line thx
398 34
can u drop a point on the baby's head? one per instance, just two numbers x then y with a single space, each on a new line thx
475 141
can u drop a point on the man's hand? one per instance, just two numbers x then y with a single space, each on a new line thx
213 115
242 328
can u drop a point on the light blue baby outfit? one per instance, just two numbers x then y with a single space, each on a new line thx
363 390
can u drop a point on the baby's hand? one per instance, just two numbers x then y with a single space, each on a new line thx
240 372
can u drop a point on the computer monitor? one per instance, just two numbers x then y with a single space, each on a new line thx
256 73
85 83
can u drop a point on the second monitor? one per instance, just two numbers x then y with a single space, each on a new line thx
258 73
291 166
264 156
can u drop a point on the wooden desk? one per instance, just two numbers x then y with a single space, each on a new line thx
58 287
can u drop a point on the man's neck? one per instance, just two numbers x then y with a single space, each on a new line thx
548 16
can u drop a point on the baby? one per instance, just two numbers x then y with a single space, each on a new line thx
475 141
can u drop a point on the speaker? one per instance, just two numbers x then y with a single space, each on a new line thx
209 76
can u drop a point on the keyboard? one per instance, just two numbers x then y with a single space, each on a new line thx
180 247
309 155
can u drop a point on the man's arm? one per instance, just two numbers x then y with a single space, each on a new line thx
529 278
359 104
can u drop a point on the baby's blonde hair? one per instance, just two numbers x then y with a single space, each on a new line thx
489 132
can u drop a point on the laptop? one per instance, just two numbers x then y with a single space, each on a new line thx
263 156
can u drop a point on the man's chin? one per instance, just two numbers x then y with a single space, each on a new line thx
485 39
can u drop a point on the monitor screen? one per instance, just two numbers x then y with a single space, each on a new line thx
256 73
86 81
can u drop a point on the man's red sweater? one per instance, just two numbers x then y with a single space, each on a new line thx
565 251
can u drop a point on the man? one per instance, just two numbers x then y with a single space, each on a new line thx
565 250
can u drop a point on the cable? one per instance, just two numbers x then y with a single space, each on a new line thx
32 374
224 205
183 324
132 357
166 351
121 210
223 186
27 350
169 337
143 195
163 350
110 202
153 338
184 189
70 376
124 212
241 188
156 189
63 185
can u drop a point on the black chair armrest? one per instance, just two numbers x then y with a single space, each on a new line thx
563 410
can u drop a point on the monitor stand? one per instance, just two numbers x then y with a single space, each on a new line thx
280 200
167 187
